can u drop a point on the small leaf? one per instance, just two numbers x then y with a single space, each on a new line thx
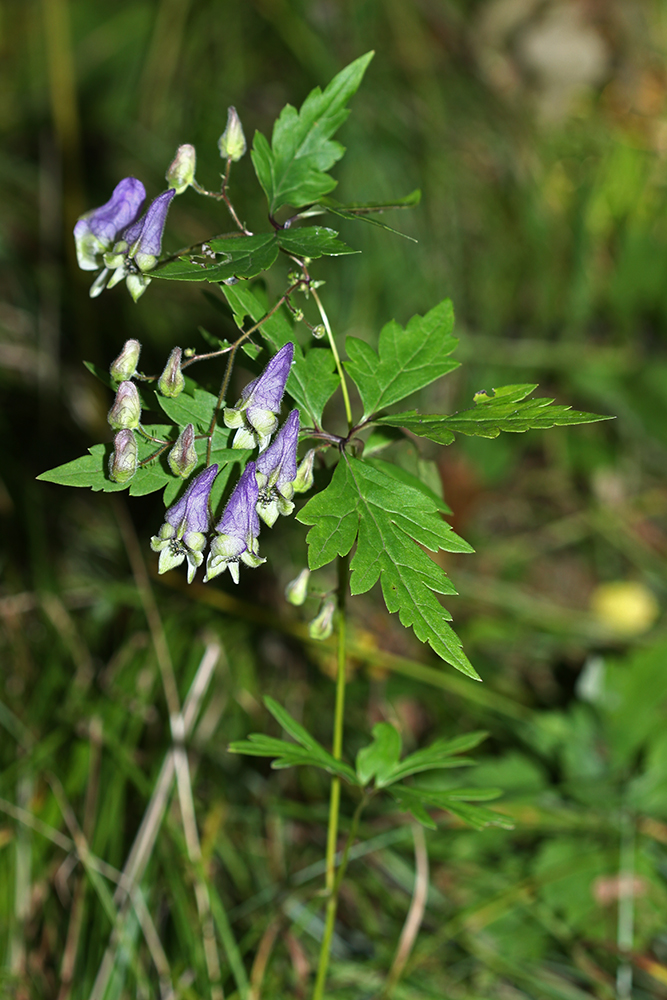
313 241
407 359
506 410
292 170
390 522
441 754
417 800
380 757
237 256
291 726
366 212
92 471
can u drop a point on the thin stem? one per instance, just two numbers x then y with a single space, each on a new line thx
230 365
334 351
626 906
334 801
223 196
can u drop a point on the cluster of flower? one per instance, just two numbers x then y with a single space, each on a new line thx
264 490
126 244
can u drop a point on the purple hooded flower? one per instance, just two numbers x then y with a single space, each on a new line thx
183 535
96 231
276 472
137 250
255 414
238 530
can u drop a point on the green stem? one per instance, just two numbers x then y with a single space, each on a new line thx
334 351
334 801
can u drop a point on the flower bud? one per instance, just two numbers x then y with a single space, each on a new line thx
123 461
319 331
125 413
321 627
296 590
232 144
172 381
126 363
181 173
304 474
182 458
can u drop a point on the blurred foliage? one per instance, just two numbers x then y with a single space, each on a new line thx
537 132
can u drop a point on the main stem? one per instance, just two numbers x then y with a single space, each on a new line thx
334 801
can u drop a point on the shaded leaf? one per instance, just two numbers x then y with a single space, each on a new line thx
389 521
313 241
380 757
417 801
235 257
407 359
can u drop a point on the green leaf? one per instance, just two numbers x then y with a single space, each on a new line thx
313 241
312 379
403 476
407 359
389 521
197 409
365 212
441 754
504 409
380 757
292 170
417 800
234 257
92 470
308 750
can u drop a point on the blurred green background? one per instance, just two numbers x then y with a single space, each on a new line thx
537 132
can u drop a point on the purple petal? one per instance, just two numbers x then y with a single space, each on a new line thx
149 229
119 212
267 390
281 454
193 505
240 517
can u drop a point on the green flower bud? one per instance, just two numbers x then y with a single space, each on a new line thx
182 458
125 413
172 381
232 144
125 365
181 173
304 474
321 627
296 590
123 461
319 331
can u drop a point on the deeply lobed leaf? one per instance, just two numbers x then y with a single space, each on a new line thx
293 169
406 360
389 521
506 410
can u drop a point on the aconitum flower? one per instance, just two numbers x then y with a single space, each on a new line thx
276 472
255 414
182 458
181 172
137 250
96 231
183 535
125 365
125 413
238 529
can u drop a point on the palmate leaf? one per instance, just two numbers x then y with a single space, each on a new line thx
504 409
292 170
407 359
306 749
312 380
389 521
418 800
